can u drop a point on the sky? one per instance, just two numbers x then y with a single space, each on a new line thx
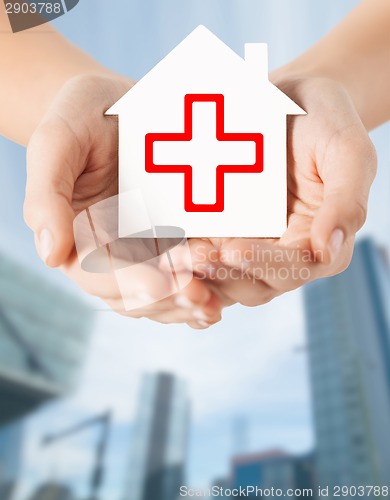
253 364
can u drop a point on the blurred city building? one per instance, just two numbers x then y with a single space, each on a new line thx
11 456
240 434
159 447
43 340
274 469
52 491
7 490
222 484
97 475
348 331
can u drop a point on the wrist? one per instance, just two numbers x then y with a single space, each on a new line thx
104 88
301 70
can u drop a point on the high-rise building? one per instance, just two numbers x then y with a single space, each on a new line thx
43 340
11 459
348 331
11 451
240 434
159 446
52 491
223 484
274 469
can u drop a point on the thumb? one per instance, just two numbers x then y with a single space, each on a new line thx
347 173
48 211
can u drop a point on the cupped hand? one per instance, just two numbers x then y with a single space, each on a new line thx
72 164
331 166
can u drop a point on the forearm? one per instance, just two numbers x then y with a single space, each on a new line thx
34 65
357 54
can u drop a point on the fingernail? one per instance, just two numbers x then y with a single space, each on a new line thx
203 324
183 301
335 243
46 244
200 315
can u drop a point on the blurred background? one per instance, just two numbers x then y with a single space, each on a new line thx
294 394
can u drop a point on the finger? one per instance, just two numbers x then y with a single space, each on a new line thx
347 171
199 325
201 251
138 284
137 292
166 312
180 315
275 267
51 158
138 298
195 303
205 257
194 296
232 282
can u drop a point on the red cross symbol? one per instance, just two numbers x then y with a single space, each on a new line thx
231 142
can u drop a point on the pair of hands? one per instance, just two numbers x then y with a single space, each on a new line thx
72 164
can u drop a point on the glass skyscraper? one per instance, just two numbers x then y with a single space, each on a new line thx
159 446
274 469
11 458
52 491
43 340
348 331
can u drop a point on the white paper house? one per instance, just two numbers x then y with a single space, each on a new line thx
251 199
